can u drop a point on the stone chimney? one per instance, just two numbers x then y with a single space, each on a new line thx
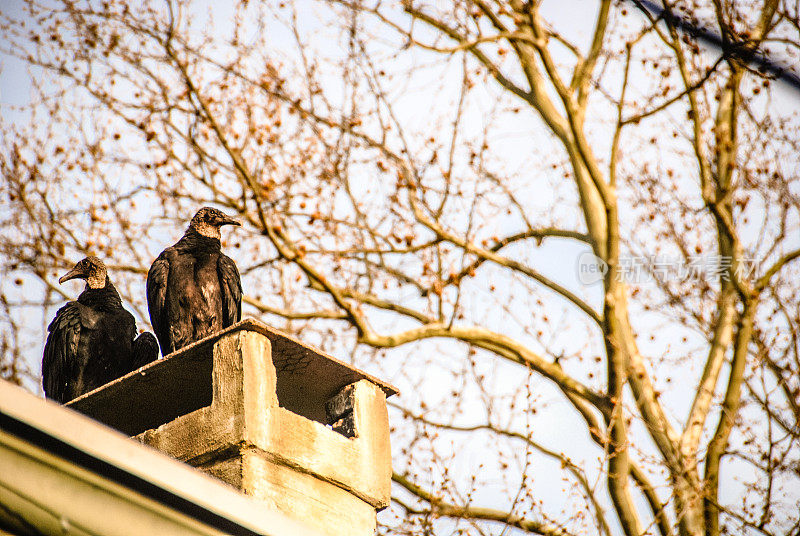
281 421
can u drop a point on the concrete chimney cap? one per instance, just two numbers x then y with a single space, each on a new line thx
181 382
291 354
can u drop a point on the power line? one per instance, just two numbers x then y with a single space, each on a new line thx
741 51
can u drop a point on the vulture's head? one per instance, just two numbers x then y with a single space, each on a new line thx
90 269
208 220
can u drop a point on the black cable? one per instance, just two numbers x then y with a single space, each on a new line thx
740 51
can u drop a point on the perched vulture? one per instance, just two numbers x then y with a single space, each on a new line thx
93 340
193 289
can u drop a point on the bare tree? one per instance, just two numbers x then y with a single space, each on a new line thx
427 185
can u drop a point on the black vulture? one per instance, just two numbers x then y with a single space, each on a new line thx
193 289
93 340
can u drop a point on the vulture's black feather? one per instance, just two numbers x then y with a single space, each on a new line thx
91 341
145 350
193 289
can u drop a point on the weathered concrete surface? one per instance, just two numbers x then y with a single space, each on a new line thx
303 496
258 420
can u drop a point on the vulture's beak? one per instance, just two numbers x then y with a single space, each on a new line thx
75 273
227 220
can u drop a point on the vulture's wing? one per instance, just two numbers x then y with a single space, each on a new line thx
61 361
231 286
145 350
156 300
